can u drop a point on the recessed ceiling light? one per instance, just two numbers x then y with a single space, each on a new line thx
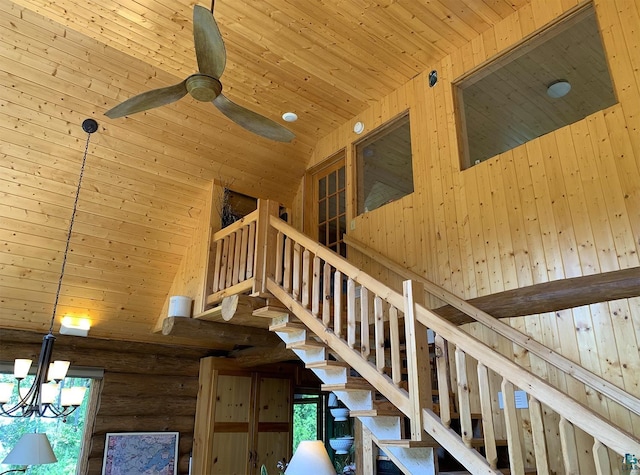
358 128
290 116
558 89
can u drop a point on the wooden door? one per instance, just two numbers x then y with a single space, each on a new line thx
243 418
329 215
274 426
232 431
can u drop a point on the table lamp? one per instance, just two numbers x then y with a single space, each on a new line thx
310 457
31 449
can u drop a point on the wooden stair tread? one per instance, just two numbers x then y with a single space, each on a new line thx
271 311
505 471
430 442
306 344
326 364
408 443
287 327
352 383
375 413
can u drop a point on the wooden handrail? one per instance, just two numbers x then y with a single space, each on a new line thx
233 227
552 357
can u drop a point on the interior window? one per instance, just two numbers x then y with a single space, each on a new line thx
384 168
558 77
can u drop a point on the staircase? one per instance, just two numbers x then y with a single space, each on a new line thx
369 345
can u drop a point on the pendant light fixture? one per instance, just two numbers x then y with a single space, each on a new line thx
45 397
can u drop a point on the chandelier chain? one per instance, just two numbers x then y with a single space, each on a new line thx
73 218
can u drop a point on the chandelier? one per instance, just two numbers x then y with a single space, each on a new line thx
46 397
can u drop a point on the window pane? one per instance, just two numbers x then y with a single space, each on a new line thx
322 188
514 104
385 170
332 183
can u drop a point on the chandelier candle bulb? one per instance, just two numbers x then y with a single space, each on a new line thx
6 389
21 368
49 393
58 370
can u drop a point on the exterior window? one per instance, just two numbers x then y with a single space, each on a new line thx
384 168
66 437
557 78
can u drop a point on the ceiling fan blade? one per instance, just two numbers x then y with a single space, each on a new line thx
149 100
253 122
210 50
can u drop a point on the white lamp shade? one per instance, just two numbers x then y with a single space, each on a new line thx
310 457
31 449
21 368
6 389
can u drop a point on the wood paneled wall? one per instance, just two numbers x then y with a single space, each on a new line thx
145 388
564 205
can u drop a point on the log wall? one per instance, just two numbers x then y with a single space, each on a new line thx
145 388
566 204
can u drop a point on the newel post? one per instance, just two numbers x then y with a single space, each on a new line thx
418 362
266 237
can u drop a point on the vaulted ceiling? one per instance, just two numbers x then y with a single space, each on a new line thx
146 178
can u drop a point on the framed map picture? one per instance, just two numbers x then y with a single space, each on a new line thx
140 453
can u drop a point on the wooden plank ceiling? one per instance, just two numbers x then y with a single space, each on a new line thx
63 61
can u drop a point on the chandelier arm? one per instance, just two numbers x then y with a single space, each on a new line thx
32 401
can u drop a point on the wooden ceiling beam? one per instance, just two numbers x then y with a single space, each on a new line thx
216 333
552 296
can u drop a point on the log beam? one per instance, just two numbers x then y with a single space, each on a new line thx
552 296
218 333
250 357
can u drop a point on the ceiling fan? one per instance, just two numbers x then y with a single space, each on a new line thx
205 85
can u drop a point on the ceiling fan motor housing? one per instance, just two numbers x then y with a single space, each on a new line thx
203 88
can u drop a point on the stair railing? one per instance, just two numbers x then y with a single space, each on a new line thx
597 383
370 326
360 319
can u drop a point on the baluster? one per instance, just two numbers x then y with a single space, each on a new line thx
244 240
326 295
569 447
279 257
601 458
537 432
337 303
306 268
513 434
223 263
351 313
315 288
491 453
251 246
394 337
216 268
418 361
444 381
288 270
230 257
378 315
296 271
365 349
464 405
236 257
